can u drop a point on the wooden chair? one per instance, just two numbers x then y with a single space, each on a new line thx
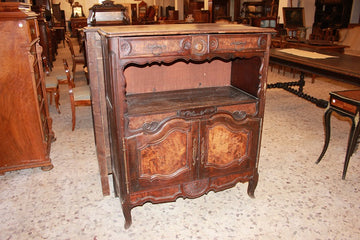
345 103
76 58
79 96
51 85
52 88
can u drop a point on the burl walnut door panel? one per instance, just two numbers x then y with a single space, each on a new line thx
162 157
228 145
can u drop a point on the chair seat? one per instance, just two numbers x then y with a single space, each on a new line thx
51 82
61 77
81 93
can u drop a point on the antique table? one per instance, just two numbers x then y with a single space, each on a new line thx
328 64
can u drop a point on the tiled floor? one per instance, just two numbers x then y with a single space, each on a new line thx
295 198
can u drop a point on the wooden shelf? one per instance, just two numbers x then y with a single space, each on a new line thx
150 103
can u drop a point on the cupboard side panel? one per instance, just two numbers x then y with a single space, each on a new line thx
114 98
96 74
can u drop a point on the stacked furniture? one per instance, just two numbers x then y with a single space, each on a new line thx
25 130
184 107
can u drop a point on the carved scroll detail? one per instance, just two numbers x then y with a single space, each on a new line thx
196 188
150 127
197 112
239 115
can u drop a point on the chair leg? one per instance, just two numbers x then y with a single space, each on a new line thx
51 96
57 98
73 116
353 136
327 133
74 68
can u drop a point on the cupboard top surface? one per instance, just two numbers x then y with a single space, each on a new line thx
15 10
176 29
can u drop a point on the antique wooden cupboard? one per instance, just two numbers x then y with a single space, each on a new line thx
185 106
25 124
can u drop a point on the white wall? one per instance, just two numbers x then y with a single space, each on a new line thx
355 12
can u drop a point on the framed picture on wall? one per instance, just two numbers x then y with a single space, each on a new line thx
293 17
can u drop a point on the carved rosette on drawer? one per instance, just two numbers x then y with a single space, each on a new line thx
150 47
235 43
199 45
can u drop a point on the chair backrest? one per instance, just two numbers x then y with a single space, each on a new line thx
71 47
46 66
70 78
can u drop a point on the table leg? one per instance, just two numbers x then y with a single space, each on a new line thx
353 138
327 116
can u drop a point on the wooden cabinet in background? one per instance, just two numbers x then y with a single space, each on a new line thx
76 24
46 36
330 15
25 129
185 106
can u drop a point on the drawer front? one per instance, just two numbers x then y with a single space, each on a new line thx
236 43
338 103
159 46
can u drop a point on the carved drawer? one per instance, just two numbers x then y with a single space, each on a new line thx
155 46
235 43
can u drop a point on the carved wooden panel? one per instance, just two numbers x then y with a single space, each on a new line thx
163 157
227 144
161 154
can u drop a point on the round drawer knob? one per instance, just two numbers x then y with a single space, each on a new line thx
199 46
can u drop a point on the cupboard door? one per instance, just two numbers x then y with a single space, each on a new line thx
163 156
228 145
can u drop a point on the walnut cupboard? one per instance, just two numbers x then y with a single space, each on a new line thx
25 128
185 106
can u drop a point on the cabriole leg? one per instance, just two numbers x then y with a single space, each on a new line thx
354 134
252 185
127 215
327 133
